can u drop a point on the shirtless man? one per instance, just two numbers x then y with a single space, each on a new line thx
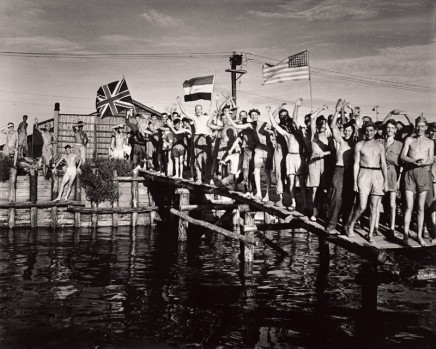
370 178
202 146
263 151
417 154
295 162
118 148
70 174
22 137
47 146
321 144
80 141
11 145
341 191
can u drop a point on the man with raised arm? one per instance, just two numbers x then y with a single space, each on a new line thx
48 140
11 145
370 178
295 162
341 195
202 146
418 156
73 163
263 150
319 174
80 141
119 149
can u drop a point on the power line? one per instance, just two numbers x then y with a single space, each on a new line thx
41 104
356 78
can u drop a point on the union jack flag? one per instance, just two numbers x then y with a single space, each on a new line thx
113 98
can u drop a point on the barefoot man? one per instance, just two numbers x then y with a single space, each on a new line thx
71 160
81 141
370 178
417 155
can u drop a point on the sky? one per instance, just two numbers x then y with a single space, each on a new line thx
378 39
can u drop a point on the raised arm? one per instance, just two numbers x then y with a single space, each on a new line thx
389 116
183 110
335 130
239 126
275 124
313 120
211 125
295 116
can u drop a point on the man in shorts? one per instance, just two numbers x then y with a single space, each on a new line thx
119 149
418 156
370 178
22 137
11 145
73 163
201 139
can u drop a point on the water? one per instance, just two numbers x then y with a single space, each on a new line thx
119 289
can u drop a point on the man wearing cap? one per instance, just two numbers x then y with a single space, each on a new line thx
341 190
370 178
47 146
11 144
202 142
80 141
119 149
418 156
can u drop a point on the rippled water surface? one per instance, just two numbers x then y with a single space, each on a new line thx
142 289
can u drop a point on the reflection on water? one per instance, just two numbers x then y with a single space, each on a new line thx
124 289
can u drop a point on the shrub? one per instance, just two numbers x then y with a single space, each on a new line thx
6 164
97 179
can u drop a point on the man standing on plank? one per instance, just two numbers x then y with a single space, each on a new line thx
47 146
370 178
202 144
417 154
70 174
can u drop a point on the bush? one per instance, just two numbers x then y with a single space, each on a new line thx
6 164
97 179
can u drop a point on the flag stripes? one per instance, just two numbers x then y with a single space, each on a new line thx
199 88
295 67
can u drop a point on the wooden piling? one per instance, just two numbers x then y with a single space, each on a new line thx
116 203
135 198
182 199
247 251
33 186
12 196
94 215
54 185
78 197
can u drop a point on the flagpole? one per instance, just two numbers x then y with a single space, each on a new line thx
310 82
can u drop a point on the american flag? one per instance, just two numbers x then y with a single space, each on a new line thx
294 67
113 98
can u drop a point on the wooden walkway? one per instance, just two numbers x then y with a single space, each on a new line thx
286 219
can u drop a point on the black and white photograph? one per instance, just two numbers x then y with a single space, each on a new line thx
217 174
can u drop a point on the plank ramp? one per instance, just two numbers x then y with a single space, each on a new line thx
357 244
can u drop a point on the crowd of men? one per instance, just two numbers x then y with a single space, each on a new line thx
340 162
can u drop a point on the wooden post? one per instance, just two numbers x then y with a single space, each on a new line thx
12 196
33 186
57 108
116 203
182 198
54 217
235 219
78 197
247 251
54 185
135 197
94 215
